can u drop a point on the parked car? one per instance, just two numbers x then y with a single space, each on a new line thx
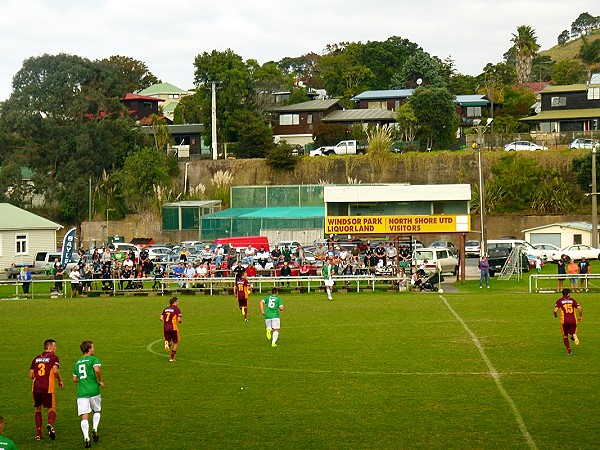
497 258
161 252
583 143
577 252
512 243
437 258
446 244
548 249
473 248
523 145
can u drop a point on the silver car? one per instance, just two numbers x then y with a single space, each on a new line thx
583 143
523 145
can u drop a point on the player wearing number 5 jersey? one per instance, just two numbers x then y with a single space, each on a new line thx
87 375
270 307
171 318
568 319
44 373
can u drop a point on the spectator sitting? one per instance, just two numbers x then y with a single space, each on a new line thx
206 255
304 269
276 255
251 270
219 255
416 281
249 253
285 271
263 257
178 272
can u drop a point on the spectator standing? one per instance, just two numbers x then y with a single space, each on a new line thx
585 269
561 265
320 252
484 267
25 279
538 264
58 277
299 253
573 269
75 282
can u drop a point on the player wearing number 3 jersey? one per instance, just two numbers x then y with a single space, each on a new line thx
270 307
568 319
87 375
44 373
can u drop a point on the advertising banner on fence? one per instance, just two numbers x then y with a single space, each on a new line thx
397 224
67 248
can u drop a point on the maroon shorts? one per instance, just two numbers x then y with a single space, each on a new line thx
243 302
172 336
43 399
568 328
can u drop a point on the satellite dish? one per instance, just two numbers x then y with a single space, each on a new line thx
538 109
419 81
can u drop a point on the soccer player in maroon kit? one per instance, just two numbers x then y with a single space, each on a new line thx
171 317
45 373
242 291
568 318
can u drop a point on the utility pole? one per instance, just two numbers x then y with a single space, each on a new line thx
213 118
594 199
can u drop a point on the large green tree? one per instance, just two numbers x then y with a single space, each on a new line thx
436 115
584 24
589 53
420 67
568 71
526 47
65 116
134 75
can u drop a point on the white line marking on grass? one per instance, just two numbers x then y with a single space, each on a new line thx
495 375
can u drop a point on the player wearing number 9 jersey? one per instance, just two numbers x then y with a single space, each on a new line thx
171 318
568 319
44 373
87 375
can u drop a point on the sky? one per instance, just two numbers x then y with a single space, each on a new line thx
167 36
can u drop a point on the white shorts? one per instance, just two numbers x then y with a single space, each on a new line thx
273 323
86 405
329 282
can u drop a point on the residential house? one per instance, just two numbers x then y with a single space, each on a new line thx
561 234
186 140
23 234
169 93
568 108
296 123
140 106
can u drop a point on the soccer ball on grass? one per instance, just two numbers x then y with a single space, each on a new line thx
441 291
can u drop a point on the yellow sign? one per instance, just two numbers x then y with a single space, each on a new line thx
397 224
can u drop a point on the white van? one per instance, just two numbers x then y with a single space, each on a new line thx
44 261
440 258
527 248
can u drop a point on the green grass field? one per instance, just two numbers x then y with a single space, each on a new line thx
366 371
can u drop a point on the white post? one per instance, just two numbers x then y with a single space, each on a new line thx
213 116
594 199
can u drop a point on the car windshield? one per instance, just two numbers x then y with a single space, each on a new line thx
471 243
424 255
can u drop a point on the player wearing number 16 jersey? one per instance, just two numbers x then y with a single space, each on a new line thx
171 318
44 373
568 319
87 375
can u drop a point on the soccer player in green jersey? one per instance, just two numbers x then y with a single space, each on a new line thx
328 277
5 443
89 378
270 307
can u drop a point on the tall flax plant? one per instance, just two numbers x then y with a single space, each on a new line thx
221 181
380 143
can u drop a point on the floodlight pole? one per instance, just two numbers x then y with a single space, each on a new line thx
480 129
213 119
594 199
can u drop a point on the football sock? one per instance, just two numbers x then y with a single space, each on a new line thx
173 354
85 428
275 336
95 421
52 417
566 341
38 422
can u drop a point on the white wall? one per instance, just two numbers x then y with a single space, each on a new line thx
37 241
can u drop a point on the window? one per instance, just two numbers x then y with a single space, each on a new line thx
593 93
558 101
289 119
577 239
309 121
377 105
21 244
148 105
473 111
173 95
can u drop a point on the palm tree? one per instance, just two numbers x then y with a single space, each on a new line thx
526 47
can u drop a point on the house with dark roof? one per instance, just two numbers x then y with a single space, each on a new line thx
140 106
574 107
296 123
